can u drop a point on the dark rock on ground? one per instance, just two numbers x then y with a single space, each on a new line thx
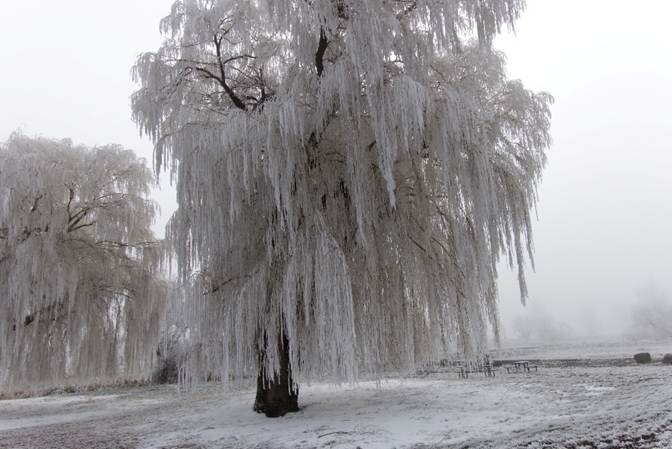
643 357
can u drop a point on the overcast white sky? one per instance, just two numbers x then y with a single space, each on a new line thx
605 210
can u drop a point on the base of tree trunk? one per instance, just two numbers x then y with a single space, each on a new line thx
280 395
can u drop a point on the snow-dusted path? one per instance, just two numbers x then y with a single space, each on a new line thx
607 407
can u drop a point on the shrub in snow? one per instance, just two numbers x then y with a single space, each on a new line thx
167 370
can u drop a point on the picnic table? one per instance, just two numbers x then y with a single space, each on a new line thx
521 366
464 369
486 367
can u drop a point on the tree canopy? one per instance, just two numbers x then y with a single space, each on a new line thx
81 299
348 172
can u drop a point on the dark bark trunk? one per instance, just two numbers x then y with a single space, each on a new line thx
279 395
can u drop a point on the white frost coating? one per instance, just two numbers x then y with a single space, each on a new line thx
348 175
80 300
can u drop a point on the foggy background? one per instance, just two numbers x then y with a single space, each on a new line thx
603 238
605 212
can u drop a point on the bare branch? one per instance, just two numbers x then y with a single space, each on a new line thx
37 200
84 225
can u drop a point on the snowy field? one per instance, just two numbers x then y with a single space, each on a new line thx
580 350
610 404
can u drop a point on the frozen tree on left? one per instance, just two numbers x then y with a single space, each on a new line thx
80 299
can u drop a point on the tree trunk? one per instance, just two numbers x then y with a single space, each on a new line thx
280 395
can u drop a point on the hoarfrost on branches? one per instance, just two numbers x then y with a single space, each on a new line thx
348 175
81 300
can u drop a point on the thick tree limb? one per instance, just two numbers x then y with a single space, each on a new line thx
234 98
321 49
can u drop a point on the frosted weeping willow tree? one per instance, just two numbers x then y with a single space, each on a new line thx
348 174
79 296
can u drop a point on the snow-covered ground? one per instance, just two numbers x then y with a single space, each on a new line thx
574 407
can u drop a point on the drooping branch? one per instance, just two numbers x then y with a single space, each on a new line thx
223 284
81 226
